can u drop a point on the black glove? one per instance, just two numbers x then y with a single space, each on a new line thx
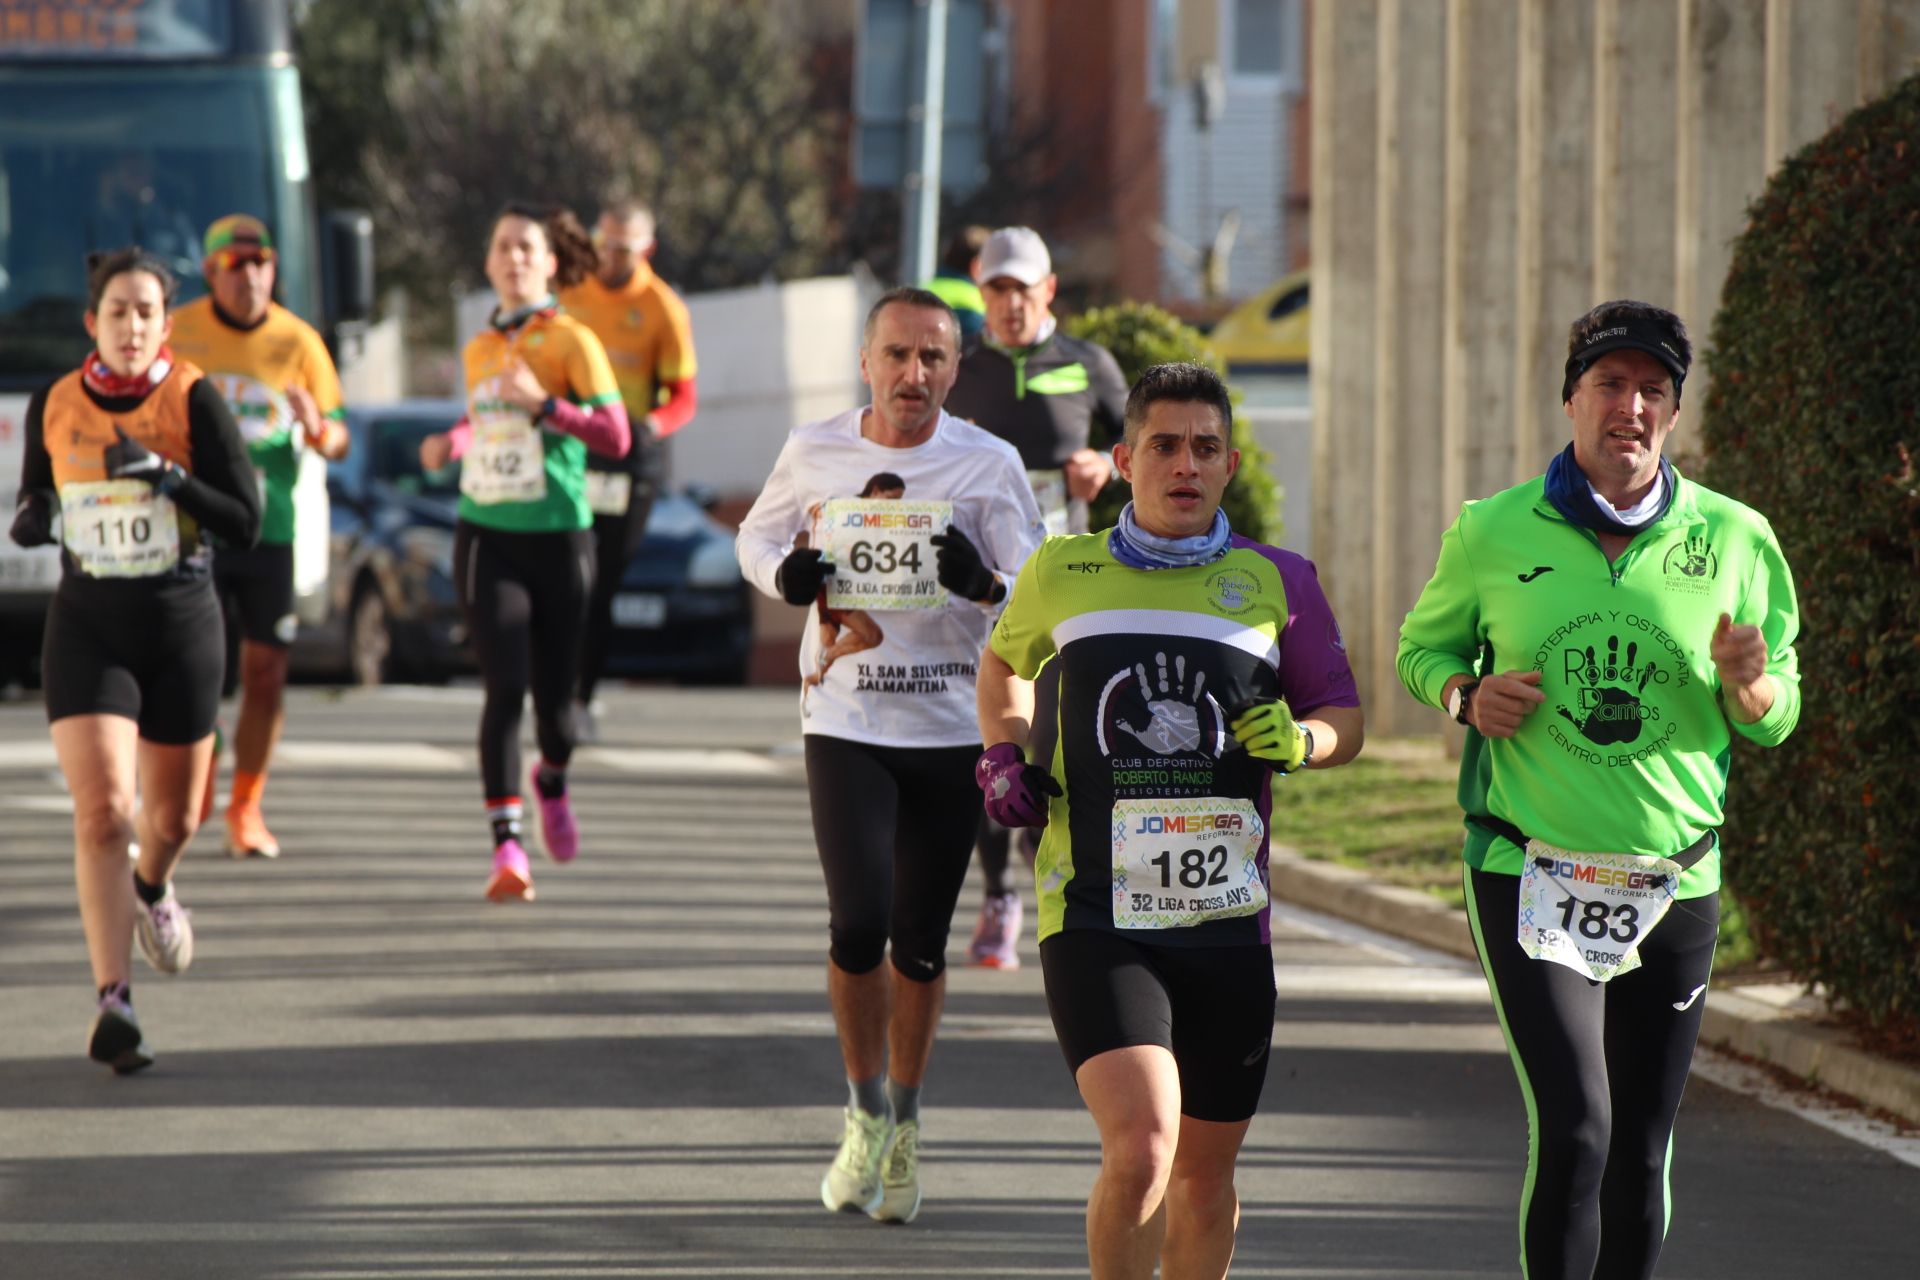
128 459
33 520
959 567
800 575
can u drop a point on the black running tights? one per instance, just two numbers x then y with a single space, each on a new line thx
616 539
1602 1067
525 600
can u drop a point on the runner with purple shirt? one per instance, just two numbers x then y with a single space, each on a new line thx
1194 665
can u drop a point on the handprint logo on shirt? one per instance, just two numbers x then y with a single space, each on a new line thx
1690 563
1175 723
1694 553
1609 692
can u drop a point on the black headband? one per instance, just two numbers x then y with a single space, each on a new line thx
1635 334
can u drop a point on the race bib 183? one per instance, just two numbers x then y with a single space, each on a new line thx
119 528
1178 863
506 462
1591 911
882 553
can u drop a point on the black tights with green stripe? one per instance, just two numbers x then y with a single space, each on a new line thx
1602 1066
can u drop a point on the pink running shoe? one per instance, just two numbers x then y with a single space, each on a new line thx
557 827
996 937
512 879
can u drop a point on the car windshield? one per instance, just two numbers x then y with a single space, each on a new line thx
95 158
395 457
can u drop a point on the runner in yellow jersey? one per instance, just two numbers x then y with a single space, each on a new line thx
643 325
275 374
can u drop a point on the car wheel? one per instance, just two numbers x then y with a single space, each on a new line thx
370 657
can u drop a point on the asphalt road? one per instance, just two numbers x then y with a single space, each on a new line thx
371 1072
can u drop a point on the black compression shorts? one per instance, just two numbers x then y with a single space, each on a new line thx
153 654
894 826
1211 1007
258 582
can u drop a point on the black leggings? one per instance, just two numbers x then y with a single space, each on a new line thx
895 830
615 539
525 599
1602 1066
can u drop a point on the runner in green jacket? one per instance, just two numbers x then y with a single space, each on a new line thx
1603 630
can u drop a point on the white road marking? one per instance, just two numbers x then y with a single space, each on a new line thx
1750 1081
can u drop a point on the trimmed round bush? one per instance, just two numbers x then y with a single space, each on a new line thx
1813 418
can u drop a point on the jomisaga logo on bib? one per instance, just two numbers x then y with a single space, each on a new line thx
1608 678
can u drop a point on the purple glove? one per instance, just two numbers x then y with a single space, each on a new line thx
1015 791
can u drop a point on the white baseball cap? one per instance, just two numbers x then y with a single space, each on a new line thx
1018 252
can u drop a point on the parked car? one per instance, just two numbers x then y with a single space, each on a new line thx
1268 332
682 610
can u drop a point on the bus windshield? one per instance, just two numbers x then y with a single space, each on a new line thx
96 158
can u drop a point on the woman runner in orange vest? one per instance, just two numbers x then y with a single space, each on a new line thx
143 462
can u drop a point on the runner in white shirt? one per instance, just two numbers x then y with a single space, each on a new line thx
891 736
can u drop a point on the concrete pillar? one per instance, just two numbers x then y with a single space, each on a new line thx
1720 163
1409 219
1478 320
1889 44
1813 71
1635 80
1553 227
1345 71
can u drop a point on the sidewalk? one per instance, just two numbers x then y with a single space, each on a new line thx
1776 1023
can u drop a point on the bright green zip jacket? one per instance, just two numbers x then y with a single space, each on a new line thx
1629 751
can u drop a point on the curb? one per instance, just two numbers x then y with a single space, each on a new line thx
1774 1024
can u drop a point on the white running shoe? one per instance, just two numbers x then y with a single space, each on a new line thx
852 1184
900 1176
165 933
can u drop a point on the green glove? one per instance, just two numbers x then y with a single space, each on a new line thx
1268 730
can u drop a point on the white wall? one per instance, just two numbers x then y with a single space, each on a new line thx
771 358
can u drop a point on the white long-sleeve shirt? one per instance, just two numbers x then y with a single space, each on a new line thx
916 688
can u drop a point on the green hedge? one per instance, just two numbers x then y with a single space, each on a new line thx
1815 357
1140 336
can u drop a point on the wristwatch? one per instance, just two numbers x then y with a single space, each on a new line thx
1460 699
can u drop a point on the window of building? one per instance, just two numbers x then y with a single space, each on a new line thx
1163 38
1262 39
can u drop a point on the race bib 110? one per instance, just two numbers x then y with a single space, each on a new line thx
882 553
119 528
1591 911
1178 863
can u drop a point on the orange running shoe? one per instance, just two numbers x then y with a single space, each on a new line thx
247 834
512 879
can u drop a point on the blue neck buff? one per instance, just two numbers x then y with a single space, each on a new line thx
1573 496
1137 549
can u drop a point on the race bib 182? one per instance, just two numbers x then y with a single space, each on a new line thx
1178 863
882 553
